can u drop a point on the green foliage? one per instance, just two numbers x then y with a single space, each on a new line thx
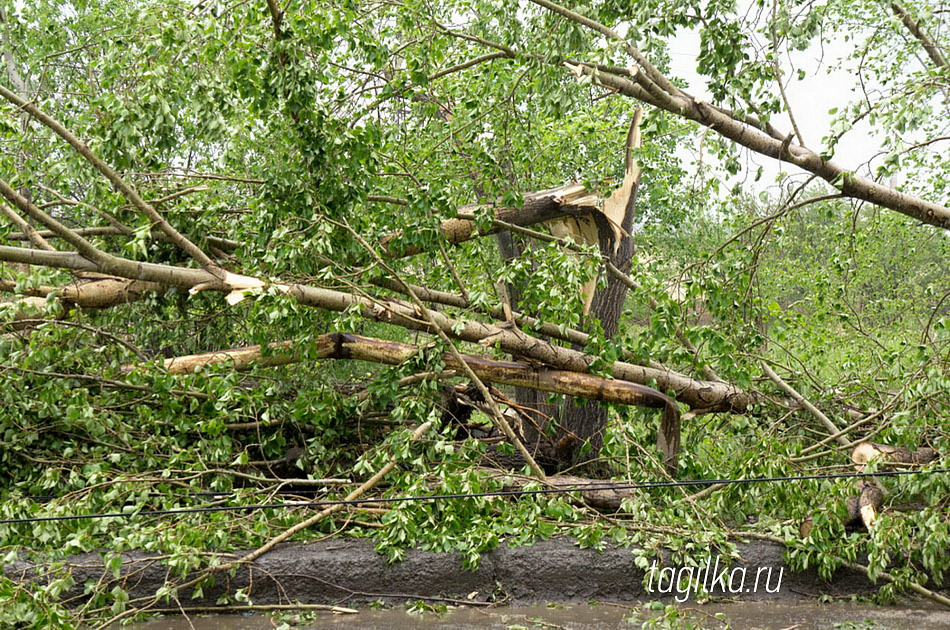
272 145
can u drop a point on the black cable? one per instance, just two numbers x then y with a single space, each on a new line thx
40 498
475 495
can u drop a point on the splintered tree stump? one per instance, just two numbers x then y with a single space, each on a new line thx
864 508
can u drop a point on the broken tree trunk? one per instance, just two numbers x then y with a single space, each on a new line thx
866 506
710 396
348 346
609 228
605 305
572 200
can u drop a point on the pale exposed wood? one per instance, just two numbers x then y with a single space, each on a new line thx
26 308
582 230
866 452
869 503
545 205
238 358
357 347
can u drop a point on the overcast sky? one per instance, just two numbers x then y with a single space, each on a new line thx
810 99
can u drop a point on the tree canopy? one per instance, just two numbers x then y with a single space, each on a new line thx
253 246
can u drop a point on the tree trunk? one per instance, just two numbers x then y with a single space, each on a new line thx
347 346
580 427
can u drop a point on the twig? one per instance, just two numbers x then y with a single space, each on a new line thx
788 389
497 417
369 484
247 608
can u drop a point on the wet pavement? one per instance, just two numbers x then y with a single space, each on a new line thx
741 616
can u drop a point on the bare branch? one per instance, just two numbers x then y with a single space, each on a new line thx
468 64
84 247
745 135
788 389
162 274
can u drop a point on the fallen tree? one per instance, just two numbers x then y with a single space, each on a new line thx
534 377
336 167
604 224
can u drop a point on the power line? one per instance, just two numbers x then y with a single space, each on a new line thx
46 498
646 485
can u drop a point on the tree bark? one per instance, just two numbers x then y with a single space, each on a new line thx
357 347
710 396
94 291
539 207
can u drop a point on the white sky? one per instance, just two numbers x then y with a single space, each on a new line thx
810 100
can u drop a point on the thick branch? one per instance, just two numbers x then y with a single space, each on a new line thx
45 258
798 398
915 29
889 455
357 347
28 232
711 396
93 291
162 274
754 139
